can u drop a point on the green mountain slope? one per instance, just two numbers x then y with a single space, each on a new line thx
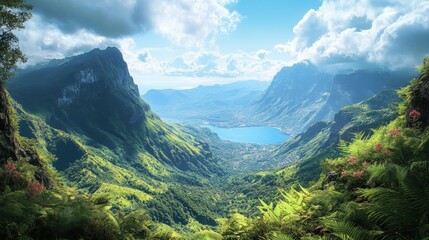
305 152
376 189
86 111
302 94
321 140
34 200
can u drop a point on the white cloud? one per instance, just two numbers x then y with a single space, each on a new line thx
70 27
187 23
241 65
41 41
360 33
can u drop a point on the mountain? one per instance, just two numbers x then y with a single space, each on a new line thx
294 99
302 94
376 189
86 112
321 140
216 103
303 153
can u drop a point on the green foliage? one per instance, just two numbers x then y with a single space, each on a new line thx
424 68
137 223
236 226
51 215
207 235
288 210
376 189
14 13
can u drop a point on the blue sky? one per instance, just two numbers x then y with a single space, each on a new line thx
265 23
186 43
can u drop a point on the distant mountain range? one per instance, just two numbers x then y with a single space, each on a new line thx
302 95
298 97
216 103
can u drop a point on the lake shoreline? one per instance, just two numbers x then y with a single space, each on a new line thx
262 135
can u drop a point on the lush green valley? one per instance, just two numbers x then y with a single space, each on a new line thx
131 157
357 171
375 189
84 156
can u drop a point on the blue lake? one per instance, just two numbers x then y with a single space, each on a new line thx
258 135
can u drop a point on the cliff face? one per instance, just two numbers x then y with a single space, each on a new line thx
294 100
8 143
92 94
94 97
302 94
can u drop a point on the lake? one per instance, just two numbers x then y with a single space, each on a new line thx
258 135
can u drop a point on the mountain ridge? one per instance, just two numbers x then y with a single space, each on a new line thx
301 95
204 104
96 97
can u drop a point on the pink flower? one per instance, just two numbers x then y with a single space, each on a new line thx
387 152
344 173
10 167
364 164
352 160
395 132
34 188
358 174
414 114
378 147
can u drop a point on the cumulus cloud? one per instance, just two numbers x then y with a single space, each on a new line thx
41 41
187 23
241 65
361 33
111 18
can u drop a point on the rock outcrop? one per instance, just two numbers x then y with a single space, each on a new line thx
9 146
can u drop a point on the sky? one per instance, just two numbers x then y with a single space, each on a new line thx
186 43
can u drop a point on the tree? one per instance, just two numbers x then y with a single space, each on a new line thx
13 15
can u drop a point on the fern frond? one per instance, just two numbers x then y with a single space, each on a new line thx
349 231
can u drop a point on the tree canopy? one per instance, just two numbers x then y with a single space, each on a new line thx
13 15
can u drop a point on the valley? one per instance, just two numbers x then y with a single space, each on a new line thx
183 174
167 120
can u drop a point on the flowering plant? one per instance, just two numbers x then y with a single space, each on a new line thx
352 160
34 188
378 147
10 167
414 114
395 132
